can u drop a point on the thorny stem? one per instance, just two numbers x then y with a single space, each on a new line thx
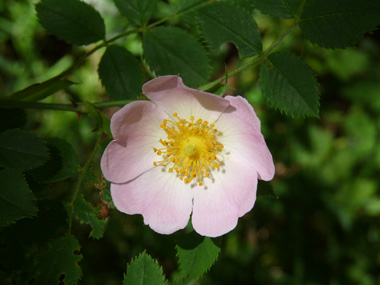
83 171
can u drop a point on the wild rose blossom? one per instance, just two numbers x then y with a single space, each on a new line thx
186 153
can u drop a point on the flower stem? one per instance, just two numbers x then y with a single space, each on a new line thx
61 107
83 171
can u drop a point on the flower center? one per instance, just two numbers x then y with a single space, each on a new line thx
190 149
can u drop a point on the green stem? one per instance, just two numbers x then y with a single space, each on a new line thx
60 107
83 171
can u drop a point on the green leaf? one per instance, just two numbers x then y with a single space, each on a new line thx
166 56
223 22
16 199
285 9
40 91
21 150
247 5
143 270
196 254
185 5
85 213
60 261
289 85
136 11
339 23
63 163
73 21
120 73
264 188
12 119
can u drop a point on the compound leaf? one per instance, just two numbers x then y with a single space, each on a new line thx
289 85
196 255
73 21
166 57
120 73
222 22
63 163
144 270
136 11
339 23
59 263
285 9
85 213
21 150
16 199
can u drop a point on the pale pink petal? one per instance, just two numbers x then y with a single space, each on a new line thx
242 139
170 94
139 118
162 198
136 128
125 159
232 194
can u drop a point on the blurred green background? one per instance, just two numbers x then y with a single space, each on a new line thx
324 228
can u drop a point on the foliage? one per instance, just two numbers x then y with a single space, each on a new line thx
58 223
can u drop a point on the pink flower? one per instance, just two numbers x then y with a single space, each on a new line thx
186 153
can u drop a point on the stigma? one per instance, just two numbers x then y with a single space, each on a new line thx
190 148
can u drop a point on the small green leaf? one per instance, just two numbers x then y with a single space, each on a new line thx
222 22
73 21
85 213
166 56
61 260
136 11
16 199
40 91
289 85
21 150
264 188
12 119
196 254
339 23
63 163
120 73
284 9
143 270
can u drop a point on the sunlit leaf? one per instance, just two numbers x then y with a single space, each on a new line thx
289 85
223 22
21 150
85 213
16 199
166 56
73 21
120 73
136 11
59 263
196 255
144 270
339 23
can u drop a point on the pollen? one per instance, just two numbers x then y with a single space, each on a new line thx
190 148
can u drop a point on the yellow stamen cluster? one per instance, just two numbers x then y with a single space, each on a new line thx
190 149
